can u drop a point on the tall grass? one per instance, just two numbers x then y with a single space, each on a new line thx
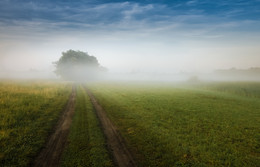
247 89
28 111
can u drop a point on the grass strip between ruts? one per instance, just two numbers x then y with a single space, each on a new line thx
86 143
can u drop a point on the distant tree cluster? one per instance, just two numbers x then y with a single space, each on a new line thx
78 65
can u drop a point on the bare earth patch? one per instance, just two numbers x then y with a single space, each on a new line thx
51 153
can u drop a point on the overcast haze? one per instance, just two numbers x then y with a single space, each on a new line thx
156 36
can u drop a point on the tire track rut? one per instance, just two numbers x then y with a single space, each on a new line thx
50 155
121 154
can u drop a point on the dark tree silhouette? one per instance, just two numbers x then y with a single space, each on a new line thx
78 65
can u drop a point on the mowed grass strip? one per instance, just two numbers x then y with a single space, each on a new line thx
86 143
28 112
167 126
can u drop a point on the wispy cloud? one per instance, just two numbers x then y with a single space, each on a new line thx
121 32
152 16
192 2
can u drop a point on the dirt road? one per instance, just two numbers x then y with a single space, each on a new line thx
51 153
115 142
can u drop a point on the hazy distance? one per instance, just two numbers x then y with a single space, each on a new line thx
147 40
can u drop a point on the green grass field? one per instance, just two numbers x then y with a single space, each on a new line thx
28 112
87 145
207 125
247 89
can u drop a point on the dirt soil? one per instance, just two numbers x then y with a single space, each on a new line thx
51 153
116 144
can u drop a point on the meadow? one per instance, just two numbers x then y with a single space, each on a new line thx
247 89
206 124
214 124
28 112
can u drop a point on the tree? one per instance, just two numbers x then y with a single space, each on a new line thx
78 65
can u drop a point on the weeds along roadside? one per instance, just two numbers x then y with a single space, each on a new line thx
86 142
28 113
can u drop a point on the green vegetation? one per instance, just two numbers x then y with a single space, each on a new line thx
28 111
78 66
247 89
86 141
214 124
211 125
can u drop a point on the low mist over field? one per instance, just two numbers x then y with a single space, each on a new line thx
133 40
127 83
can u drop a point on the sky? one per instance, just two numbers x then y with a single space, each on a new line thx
157 36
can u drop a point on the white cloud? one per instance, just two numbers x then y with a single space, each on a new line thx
192 2
136 9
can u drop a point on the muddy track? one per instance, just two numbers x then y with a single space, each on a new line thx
51 153
116 144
